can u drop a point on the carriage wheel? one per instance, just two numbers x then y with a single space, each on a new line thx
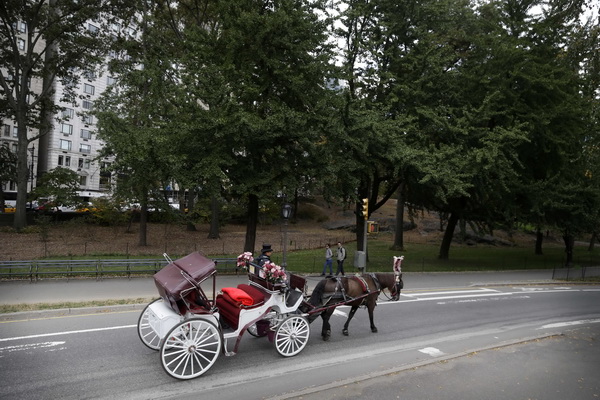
145 331
253 330
191 348
292 335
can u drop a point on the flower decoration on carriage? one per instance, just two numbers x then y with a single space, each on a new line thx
274 273
398 265
243 259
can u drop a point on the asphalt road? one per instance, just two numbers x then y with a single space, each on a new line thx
563 366
463 340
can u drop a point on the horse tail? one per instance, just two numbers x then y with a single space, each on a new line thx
317 293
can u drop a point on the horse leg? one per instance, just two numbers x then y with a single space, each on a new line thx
350 315
371 307
326 330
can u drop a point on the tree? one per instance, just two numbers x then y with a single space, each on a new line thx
135 114
59 186
552 96
369 146
42 42
256 82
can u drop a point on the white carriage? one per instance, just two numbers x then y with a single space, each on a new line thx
190 330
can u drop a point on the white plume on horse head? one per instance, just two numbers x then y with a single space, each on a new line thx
398 264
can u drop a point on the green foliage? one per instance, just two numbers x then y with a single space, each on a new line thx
59 187
107 212
57 46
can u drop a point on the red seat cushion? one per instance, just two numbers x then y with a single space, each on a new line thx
229 308
258 296
239 296
229 312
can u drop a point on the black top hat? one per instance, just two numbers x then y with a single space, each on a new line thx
266 248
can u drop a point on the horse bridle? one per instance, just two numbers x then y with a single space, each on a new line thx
397 287
395 295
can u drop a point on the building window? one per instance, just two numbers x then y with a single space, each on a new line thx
83 180
88 119
88 89
84 163
15 148
85 148
21 26
15 131
86 134
110 80
92 28
21 44
86 104
6 130
64 161
68 113
65 144
89 75
66 129
105 176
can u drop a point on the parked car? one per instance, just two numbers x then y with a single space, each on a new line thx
10 206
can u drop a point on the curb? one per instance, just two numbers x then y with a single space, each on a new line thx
67 312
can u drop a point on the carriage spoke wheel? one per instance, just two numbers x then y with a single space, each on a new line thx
292 335
253 330
145 331
191 348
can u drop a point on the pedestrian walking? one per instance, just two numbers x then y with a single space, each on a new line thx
328 260
341 256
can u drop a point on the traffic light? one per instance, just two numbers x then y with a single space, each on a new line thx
364 208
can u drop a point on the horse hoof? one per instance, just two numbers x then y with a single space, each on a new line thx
345 332
374 330
325 338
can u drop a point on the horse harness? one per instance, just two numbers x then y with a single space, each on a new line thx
340 292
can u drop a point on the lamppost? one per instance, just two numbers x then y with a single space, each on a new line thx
31 174
286 212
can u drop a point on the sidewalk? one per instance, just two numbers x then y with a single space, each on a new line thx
80 290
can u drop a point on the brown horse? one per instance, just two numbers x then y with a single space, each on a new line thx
332 292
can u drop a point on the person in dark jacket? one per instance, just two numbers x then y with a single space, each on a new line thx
265 255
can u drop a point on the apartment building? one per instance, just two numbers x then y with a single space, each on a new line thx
8 134
72 142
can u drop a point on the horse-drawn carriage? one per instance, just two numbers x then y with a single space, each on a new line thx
191 330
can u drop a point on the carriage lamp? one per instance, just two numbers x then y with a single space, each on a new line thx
286 212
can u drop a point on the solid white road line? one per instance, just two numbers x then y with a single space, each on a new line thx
67 333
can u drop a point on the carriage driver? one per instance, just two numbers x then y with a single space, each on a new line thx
265 254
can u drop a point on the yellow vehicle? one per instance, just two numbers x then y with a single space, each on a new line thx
86 208
10 206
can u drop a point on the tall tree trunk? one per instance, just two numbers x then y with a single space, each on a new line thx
448 234
142 241
539 238
399 236
463 230
569 240
360 229
190 226
214 218
592 241
251 223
